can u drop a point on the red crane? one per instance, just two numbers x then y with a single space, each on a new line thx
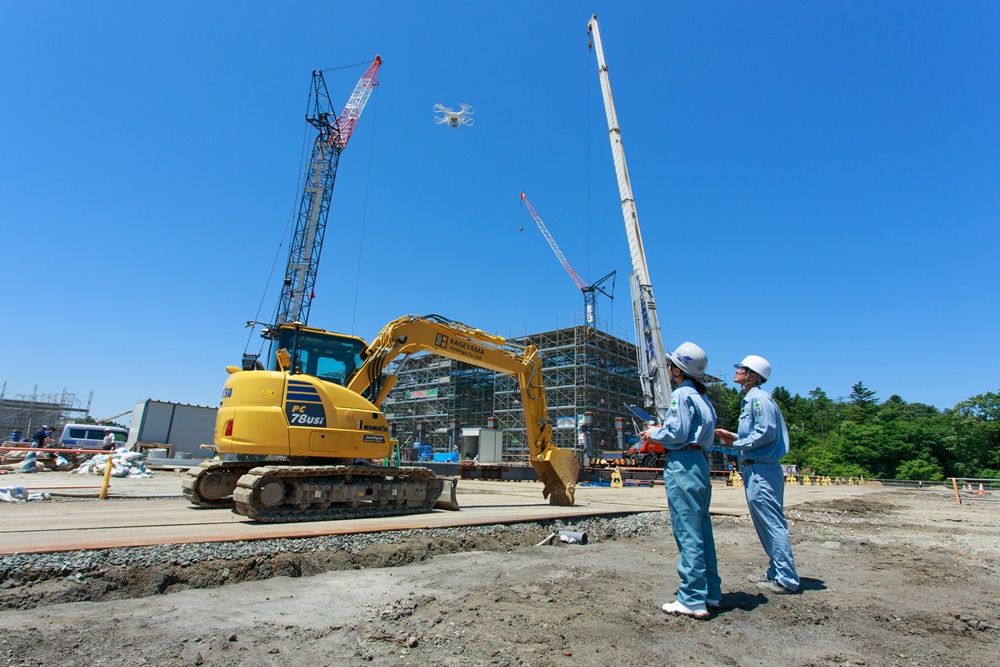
589 291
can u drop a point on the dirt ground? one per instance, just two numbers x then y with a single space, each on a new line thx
893 578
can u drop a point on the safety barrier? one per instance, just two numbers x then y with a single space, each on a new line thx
736 479
975 489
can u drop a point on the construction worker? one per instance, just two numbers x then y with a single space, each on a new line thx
688 431
40 437
761 442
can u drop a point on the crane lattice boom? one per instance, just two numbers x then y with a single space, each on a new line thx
589 291
314 208
555 246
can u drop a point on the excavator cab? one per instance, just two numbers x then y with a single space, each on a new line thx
328 356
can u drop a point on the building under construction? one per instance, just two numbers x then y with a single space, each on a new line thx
590 376
23 414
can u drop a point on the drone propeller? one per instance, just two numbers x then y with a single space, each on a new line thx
439 108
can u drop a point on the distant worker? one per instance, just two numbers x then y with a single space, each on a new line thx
688 432
109 439
40 437
760 444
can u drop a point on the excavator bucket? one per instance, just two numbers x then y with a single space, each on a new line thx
558 469
448 500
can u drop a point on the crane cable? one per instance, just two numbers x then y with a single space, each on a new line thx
292 213
364 214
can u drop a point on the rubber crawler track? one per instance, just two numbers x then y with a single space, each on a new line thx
189 485
244 496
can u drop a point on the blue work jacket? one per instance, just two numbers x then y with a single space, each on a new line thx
763 435
690 420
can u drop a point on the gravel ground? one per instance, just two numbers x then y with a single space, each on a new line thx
894 578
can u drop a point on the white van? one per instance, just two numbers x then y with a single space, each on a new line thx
90 436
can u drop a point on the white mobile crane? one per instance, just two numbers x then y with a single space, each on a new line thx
651 354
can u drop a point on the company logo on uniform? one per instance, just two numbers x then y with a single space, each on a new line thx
756 407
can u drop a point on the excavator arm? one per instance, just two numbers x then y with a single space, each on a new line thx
557 468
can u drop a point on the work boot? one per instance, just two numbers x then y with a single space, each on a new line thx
713 604
757 578
678 608
772 586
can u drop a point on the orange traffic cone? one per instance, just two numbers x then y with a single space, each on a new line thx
982 492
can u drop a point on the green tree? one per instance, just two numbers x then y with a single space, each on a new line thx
920 469
976 425
863 403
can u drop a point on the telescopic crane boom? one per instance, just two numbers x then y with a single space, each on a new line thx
651 354
589 291
333 134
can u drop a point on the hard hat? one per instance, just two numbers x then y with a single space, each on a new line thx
107 430
691 359
757 364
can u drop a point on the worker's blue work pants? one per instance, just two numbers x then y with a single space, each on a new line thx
689 494
765 489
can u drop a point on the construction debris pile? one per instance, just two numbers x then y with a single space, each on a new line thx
18 494
124 463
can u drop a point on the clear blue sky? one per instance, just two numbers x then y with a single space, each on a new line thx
817 183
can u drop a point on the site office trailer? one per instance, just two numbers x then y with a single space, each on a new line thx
182 428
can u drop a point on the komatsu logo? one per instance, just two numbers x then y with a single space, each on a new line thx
227 393
372 427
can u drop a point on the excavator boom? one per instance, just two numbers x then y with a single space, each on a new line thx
557 468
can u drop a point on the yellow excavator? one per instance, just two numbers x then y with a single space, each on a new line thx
317 421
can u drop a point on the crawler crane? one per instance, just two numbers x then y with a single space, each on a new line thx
320 412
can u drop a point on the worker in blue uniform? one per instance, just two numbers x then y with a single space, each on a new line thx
686 434
760 444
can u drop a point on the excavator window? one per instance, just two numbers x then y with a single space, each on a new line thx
327 356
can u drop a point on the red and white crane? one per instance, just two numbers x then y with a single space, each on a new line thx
589 291
334 131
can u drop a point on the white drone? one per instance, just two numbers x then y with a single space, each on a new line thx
454 118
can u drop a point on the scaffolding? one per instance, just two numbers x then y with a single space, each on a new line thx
22 414
587 373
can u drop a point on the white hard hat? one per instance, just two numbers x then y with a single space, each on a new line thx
691 359
757 364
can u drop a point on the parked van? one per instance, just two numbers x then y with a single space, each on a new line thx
90 436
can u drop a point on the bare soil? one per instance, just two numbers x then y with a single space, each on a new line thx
894 578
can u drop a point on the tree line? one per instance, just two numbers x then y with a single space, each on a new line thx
891 439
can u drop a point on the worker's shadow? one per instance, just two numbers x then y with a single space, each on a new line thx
748 601
810 584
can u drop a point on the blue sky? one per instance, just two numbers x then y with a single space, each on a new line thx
817 183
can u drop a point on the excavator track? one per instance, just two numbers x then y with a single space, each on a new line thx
211 484
284 494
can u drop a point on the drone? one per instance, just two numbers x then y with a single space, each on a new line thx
454 118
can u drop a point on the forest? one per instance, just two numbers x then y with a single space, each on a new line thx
862 435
